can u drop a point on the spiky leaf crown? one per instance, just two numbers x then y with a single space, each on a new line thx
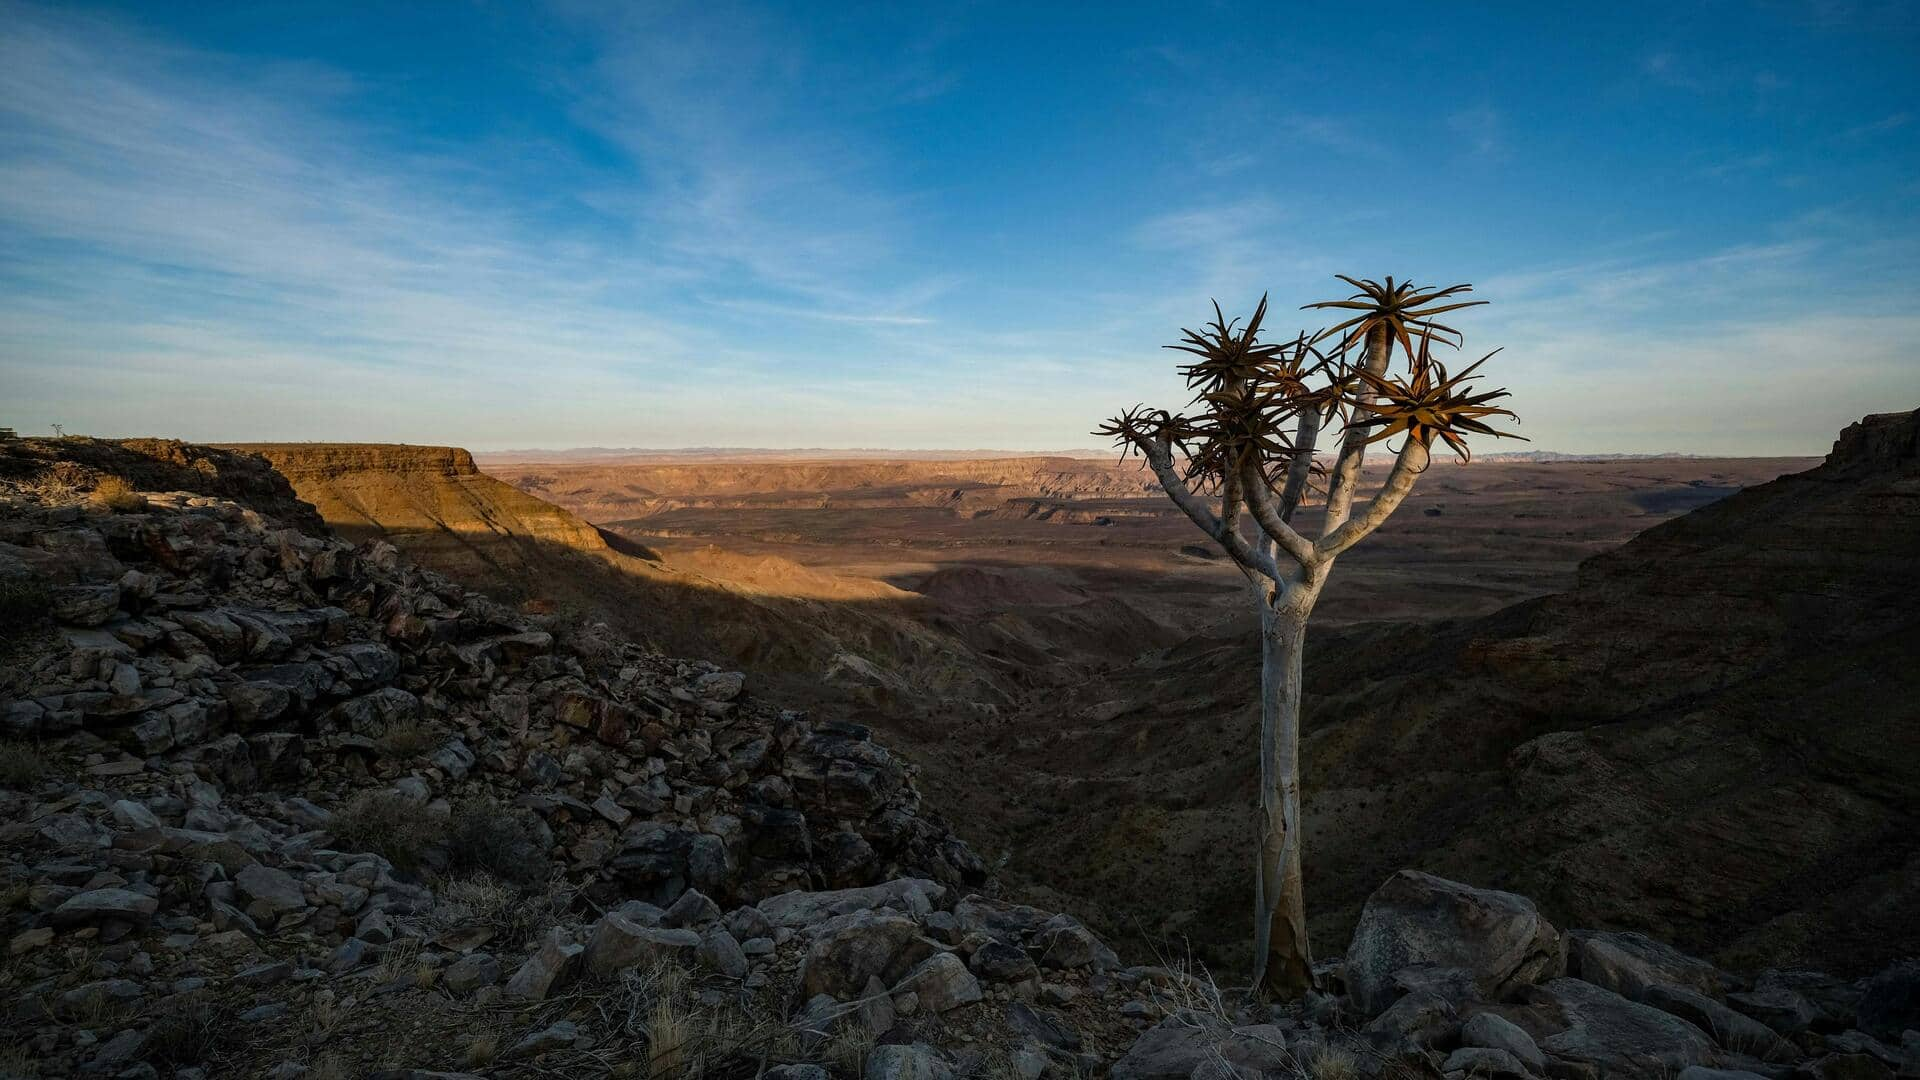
1251 394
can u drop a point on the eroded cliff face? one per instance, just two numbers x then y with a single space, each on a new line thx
424 495
615 492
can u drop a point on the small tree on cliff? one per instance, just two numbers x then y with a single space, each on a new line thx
1260 411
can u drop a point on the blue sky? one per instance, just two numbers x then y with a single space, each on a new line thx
968 225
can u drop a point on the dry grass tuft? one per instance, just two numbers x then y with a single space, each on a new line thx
482 1051
18 1061
669 1040
846 1049
407 739
330 1067
114 494
1332 1063
515 915
401 958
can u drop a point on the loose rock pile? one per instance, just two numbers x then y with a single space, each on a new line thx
281 806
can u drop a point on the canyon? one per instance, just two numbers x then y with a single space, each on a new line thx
310 744
1073 668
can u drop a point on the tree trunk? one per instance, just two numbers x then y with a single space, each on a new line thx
1283 963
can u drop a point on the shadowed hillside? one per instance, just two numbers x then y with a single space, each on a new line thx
1712 737
817 633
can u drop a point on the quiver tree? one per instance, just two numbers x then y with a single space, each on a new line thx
1260 412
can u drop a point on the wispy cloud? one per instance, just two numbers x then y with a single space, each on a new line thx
166 219
1890 122
1482 130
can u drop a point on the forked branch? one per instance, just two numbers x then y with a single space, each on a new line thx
1158 450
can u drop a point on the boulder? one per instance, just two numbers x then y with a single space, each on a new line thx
470 973
552 966
1064 943
1418 919
1484 1061
999 962
850 949
1627 963
1623 1039
942 982
915 896
618 943
1782 1010
1420 1020
1890 1002
101 905
999 918
1494 1032
912 1062
691 911
720 952
269 892
1732 1030
1186 1042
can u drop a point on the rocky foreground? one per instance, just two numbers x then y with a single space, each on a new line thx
278 805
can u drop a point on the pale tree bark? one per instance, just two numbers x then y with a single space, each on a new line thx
1353 450
1283 958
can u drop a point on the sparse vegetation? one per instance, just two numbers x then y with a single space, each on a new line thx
18 1061
190 1034
23 765
389 825
1332 1063
847 1047
476 837
488 837
482 1051
669 1039
115 494
407 739
330 1067
515 915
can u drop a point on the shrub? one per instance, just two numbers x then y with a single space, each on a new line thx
516 915
488 837
393 827
407 739
1332 1063
190 1033
22 765
113 493
477 837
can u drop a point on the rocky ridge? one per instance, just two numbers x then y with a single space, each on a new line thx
286 806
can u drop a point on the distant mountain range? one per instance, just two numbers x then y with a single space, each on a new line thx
637 454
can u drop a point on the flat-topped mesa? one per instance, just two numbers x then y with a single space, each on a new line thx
421 494
330 460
